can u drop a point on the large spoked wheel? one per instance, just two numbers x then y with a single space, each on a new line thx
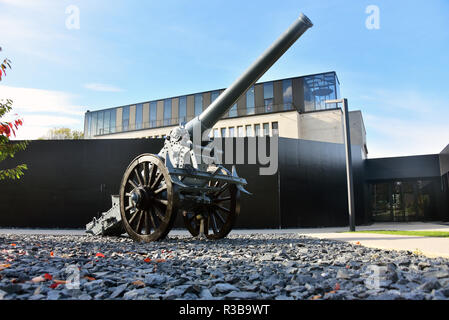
147 199
220 216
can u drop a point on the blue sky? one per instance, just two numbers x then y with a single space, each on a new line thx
132 51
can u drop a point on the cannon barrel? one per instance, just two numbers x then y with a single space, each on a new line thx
229 97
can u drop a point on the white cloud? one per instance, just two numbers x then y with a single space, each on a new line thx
42 110
102 87
400 137
38 100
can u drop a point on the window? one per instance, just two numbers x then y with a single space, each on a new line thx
100 125
216 134
107 122
94 124
89 123
125 118
240 132
250 102
214 95
287 94
231 132
275 128
268 96
182 117
139 116
223 132
249 131
167 112
266 129
153 114
257 130
318 89
198 104
113 124
233 111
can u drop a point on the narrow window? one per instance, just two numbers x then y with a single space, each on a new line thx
125 118
182 117
167 112
139 116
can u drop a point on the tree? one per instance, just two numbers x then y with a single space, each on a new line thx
63 134
8 148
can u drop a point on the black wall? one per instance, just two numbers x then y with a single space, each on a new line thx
426 166
70 182
313 189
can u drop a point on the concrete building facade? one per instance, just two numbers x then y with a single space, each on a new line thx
290 108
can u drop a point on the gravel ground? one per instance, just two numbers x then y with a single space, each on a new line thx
283 266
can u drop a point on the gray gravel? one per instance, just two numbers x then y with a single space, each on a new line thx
282 267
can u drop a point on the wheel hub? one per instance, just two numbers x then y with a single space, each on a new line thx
140 198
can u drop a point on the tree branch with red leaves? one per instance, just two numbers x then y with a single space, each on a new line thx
8 148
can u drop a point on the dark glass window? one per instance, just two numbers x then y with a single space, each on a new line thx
153 114
318 89
125 118
249 131
231 132
182 110
167 112
94 124
214 95
139 116
287 94
266 129
257 130
113 121
268 96
250 102
100 124
403 200
198 104
89 124
216 134
233 111
107 122
275 128
223 132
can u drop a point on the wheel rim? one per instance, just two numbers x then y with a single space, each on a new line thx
147 199
220 215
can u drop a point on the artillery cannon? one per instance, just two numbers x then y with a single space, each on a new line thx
155 187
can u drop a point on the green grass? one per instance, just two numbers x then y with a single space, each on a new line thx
437 234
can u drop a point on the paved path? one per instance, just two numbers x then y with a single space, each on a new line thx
429 246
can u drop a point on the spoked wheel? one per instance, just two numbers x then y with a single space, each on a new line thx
219 216
147 200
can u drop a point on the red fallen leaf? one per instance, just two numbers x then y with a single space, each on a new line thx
337 286
99 255
48 276
52 253
358 243
316 297
348 266
13 244
160 260
89 278
54 285
147 260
